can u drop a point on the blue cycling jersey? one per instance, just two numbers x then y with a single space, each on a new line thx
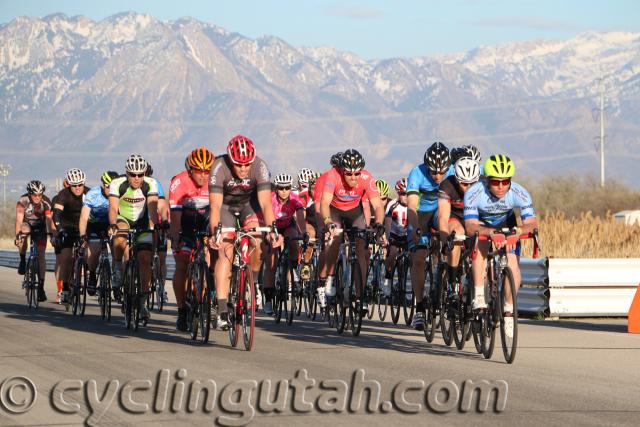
480 204
99 205
160 189
420 182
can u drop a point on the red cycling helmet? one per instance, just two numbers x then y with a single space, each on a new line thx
241 150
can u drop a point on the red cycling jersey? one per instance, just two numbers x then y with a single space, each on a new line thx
317 193
286 211
346 198
192 201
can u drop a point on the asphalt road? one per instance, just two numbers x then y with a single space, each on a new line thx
566 372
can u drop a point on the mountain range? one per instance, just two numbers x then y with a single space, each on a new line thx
80 93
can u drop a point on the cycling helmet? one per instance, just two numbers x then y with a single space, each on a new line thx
351 161
383 187
499 166
304 175
473 152
75 177
401 185
335 159
135 164
282 180
437 157
108 176
458 153
200 159
35 187
467 170
149 170
241 150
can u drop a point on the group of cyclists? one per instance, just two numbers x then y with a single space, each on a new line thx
451 191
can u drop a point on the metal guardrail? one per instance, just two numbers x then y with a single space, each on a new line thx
592 287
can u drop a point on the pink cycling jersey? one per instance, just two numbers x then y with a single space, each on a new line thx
346 198
286 211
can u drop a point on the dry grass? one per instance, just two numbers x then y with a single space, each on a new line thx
586 236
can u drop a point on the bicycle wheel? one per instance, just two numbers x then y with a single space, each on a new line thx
32 283
397 293
84 281
372 284
431 302
408 298
105 290
75 287
459 327
194 287
488 333
445 314
476 330
356 303
127 299
137 297
233 302
290 294
205 303
280 284
340 306
509 344
248 308
151 297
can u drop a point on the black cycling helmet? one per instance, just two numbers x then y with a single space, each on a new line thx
473 152
352 160
35 187
149 171
335 159
437 157
457 153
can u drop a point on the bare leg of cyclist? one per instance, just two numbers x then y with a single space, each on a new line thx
223 279
418 258
512 262
180 278
479 268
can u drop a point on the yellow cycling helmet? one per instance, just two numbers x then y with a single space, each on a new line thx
383 187
499 166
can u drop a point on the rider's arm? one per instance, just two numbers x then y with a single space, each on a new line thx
529 224
300 221
19 217
215 204
444 213
49 222
413 200
57 213
152 205
175 224
84 217
473 225
376 203
114 206
325 210
163 207
264 199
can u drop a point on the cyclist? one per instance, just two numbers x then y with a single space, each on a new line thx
66 218
395 223
422 203
304 175
239 182
163 214
94 223
189 200
451 208
489 206
133 203
289 213
311 225
33 215
341 203
65 184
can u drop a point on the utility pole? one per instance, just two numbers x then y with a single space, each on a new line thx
4 171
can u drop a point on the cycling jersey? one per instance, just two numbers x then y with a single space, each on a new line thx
421 183
451 191
480 204
34 214
398 215
285 212
72 205
346 198
160 189
303 196
98 202
238 192
133 201
191 200
317 193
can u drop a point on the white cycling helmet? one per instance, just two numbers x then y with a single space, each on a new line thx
304 176
135 164
467 170
75 176
282 180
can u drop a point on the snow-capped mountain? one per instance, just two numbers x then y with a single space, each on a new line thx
74 92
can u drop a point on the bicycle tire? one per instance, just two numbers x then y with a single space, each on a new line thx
136 296
289 294
26 285
445 315
488 336
476 331
34 280
233 300
75 292
205 303
278 294
408 304
84 282
193 285
341 307
431 320
509 345
127 300
397 294
372 286
356 303
248 308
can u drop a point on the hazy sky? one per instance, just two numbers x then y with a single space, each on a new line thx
374 28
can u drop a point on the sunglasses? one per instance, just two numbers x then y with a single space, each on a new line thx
135 175
239 166
437 173
77 185
496 182
201 172
284 188
352 173
402 194
464 184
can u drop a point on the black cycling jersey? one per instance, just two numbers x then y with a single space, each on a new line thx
69 218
